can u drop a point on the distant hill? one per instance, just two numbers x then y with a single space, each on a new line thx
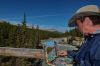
52 30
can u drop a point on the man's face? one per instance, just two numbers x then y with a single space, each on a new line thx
86 27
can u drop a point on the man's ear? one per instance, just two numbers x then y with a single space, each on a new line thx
78 22
79 25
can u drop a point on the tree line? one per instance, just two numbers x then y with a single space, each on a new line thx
21 36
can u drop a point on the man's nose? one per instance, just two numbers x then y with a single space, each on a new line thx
87 21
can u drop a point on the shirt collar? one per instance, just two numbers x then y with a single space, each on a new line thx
96 32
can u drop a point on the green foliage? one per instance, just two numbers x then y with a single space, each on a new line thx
75 33
66 33
49 49
21 36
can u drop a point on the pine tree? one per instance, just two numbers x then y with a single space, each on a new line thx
23 32
66 33
11 39
18 36
37 37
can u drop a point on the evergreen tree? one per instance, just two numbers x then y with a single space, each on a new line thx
75 32
11 36
23 32
66 33
31 37
37 37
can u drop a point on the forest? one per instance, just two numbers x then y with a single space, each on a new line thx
22 36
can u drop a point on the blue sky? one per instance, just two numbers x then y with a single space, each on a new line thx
47 14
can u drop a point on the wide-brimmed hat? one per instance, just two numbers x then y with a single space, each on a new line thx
84 11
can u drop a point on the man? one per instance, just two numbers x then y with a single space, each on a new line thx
87 20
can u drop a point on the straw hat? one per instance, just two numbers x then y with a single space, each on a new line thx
84 11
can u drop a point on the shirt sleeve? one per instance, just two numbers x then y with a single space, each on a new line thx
96 63
95 53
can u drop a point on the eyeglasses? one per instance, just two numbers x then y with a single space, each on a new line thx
95 19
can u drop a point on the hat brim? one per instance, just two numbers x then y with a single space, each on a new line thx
72 21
